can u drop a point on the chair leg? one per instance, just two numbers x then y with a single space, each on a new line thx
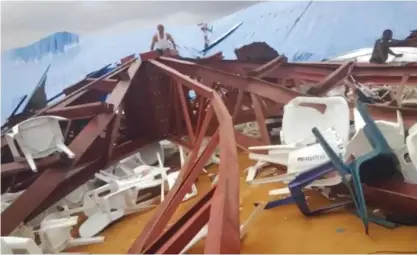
62 147
30 161
12 146
85 241
284 201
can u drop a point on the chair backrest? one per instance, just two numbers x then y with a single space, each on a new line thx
408 167
19 245
298 120
40 134
54 239
372 132
311 156
411 142
413 129
148 153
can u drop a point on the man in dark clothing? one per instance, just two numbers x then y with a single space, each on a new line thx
382 48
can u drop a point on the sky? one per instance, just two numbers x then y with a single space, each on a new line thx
24 22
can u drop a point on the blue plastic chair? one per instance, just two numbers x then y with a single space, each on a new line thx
377 164
297 195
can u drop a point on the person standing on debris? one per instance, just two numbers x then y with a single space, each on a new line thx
162 39
382 48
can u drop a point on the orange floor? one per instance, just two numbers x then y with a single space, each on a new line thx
280 230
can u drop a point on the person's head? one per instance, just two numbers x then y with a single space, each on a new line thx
160 28
387 34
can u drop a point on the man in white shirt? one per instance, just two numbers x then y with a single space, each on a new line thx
162 39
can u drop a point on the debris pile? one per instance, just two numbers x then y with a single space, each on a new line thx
101 149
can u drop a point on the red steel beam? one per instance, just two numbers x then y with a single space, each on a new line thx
276 93
83 111
226 200
260 118
186 113
257 86
315 72
331 80
106 85
179 234
14 168
166 209
269 67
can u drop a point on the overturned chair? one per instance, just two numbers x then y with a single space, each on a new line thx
37 137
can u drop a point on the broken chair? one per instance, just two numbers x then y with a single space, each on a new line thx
302 181
380 163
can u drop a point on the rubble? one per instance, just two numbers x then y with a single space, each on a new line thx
147 103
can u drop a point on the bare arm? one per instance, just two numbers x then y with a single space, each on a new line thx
169 37
391 52
153 42
394 43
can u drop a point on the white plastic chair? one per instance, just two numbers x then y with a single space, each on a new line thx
408 167
299 159
109 208
116 199
37 137
298 120
172 177
19 245
394 133
304 159
411 142
297 123
145 156
55 234
23 230
214 159
75 198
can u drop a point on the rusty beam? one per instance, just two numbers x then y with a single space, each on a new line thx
166 209
83 111
106 85
127 59
226 200
260 118
224 227
179 234
14 168
269 67
254 85
183 79
186 113
111 134
389 113
332 79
